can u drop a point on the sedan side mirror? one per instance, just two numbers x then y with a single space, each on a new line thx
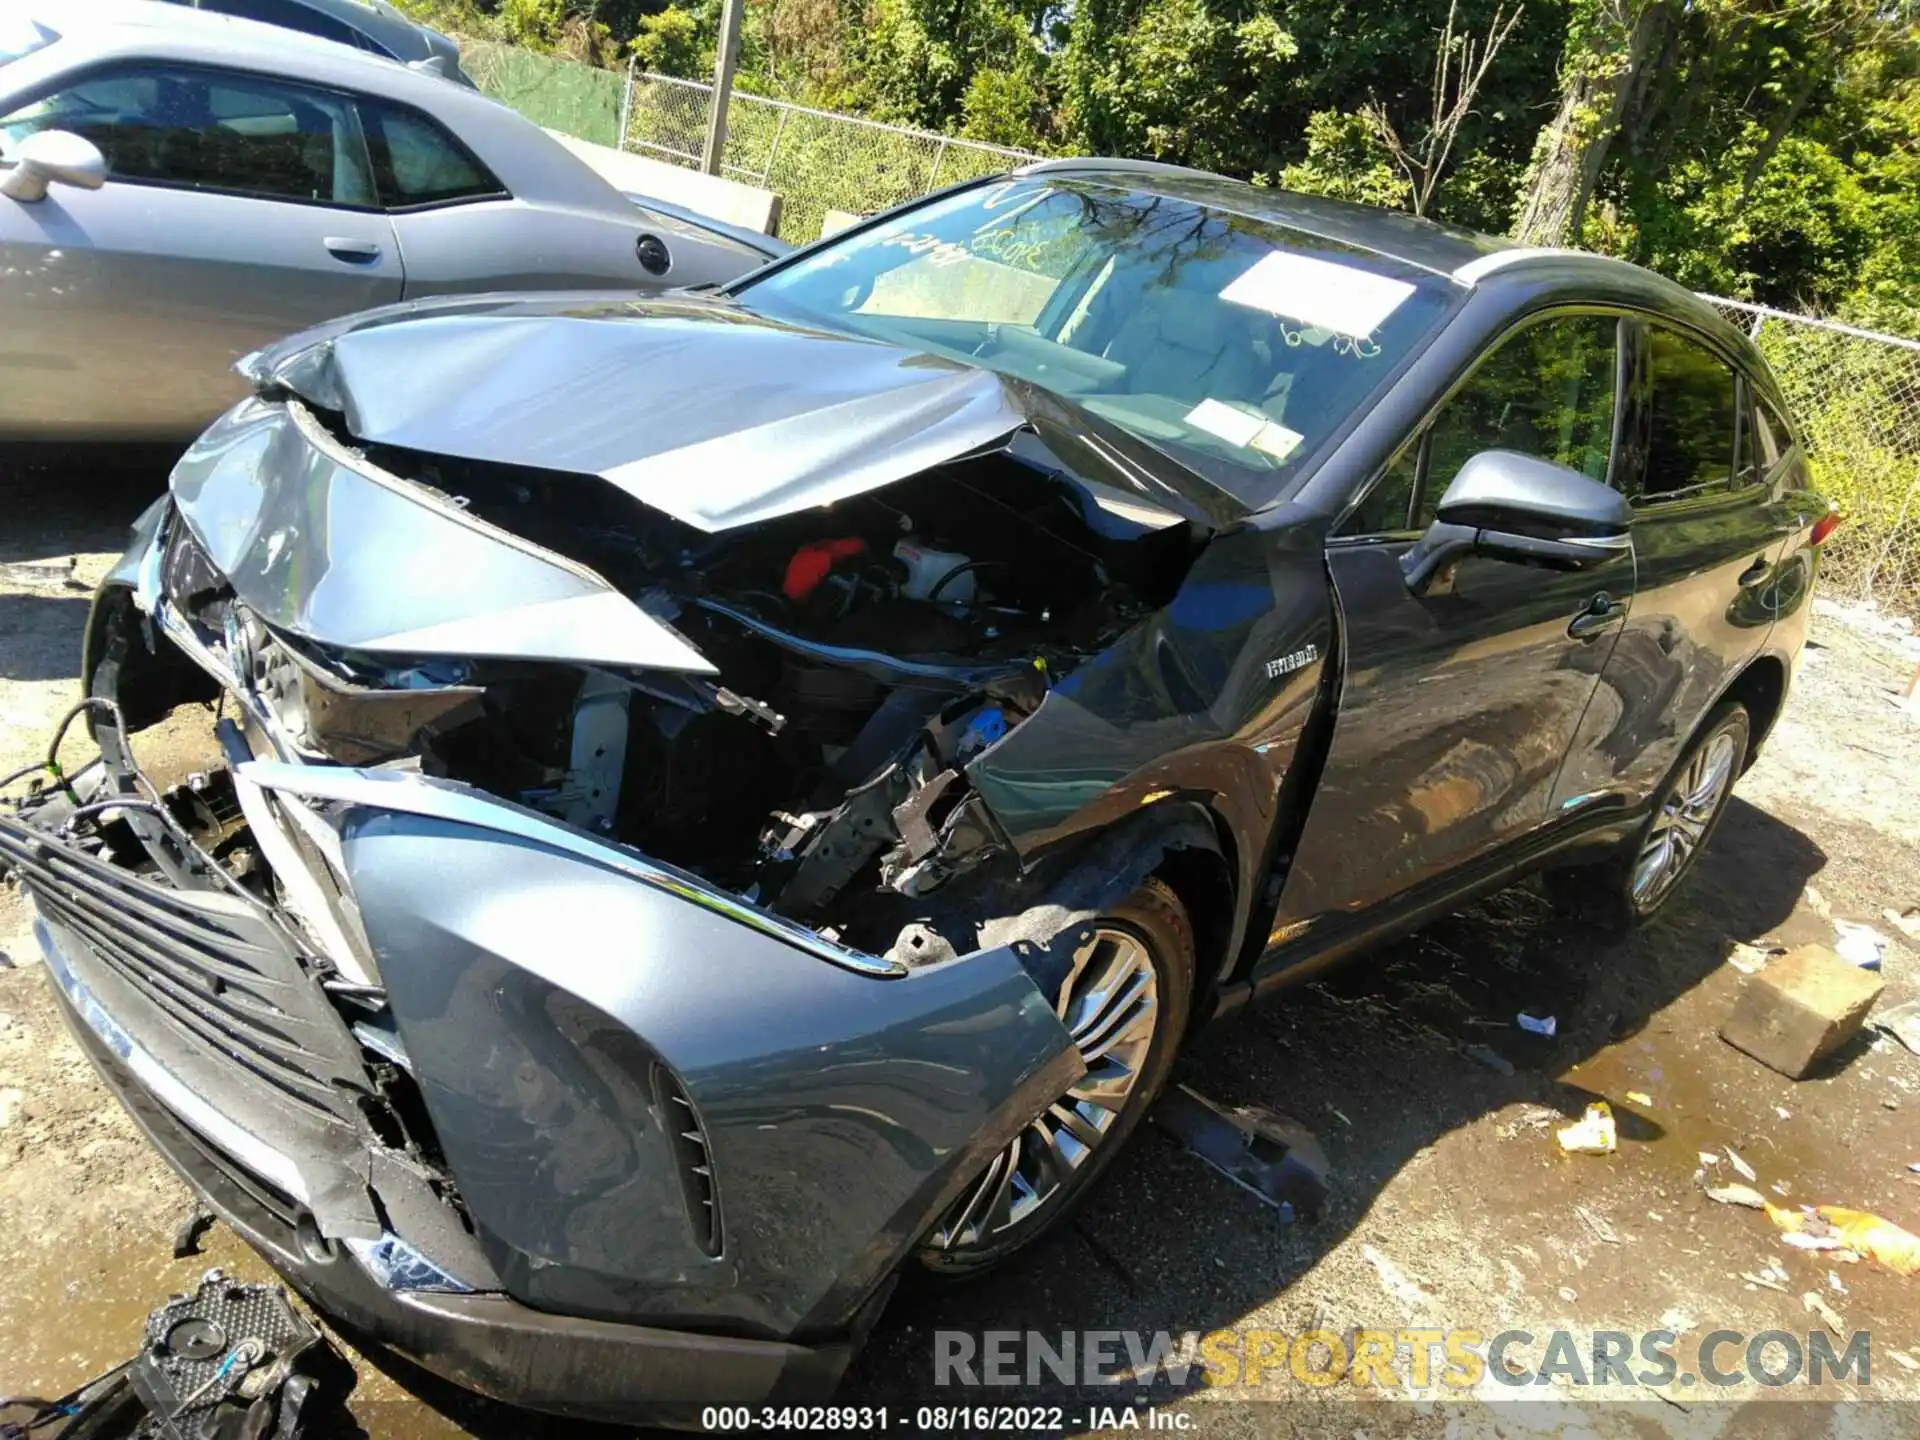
53 155
1521 508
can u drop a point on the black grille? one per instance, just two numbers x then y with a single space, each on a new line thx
221 976
692 1159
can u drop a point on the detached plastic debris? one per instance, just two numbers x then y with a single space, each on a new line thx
1903 1023
229 1362
1868 1236
1860 945
1536 1024
1259 1150
1592 1133
1750 959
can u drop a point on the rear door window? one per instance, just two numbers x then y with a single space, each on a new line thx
1693 411
416 161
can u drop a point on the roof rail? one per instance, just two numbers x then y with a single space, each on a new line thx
1114 166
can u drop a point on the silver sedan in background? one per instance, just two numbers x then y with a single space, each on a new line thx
178 188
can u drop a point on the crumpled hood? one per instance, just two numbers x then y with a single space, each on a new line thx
693 406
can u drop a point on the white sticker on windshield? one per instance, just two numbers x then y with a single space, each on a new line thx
1236 427
1340 298
1239 427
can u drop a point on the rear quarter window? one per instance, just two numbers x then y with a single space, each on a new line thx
417 161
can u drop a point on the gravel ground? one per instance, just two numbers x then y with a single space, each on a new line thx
1451 1205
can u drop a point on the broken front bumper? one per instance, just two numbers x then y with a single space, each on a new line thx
669 1149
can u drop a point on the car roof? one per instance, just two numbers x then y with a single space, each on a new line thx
1465 257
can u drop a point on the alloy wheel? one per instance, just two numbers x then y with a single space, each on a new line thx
1680 825
1110 1004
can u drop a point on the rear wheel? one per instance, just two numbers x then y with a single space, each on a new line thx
1632 886
1125 1001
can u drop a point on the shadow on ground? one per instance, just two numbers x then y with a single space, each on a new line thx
1373 1059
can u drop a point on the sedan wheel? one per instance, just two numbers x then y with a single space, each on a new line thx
1124 1001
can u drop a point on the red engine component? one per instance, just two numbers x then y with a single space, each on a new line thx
813 563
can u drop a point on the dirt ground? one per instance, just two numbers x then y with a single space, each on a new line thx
1451 1205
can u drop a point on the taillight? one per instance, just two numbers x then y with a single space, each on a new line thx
1825 526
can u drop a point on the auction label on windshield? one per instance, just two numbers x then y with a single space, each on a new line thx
1340 298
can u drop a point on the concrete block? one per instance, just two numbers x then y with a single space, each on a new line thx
1800 1009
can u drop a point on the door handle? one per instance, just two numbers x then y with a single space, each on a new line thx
354 252
1755 573
1599 615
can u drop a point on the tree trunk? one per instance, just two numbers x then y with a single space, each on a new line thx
1777 131
1572 148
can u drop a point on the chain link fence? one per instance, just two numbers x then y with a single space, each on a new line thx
1856 395
565 95
815 160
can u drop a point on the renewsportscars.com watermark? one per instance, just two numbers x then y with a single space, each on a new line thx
1399 1360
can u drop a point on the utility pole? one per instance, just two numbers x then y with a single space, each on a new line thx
723 67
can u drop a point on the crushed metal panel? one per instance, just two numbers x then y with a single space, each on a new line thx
318 542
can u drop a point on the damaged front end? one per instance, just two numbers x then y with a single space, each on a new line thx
583 908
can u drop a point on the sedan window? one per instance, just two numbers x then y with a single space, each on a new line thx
1547 391
1693 408
416 162
203 130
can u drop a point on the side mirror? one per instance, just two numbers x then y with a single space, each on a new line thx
53 155
1521 508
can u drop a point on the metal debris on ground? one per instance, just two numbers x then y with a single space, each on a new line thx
1903 1023
1597 1225
1814 1305
1592 1134
1492 1059
1860 945
1258 1149
1536 1024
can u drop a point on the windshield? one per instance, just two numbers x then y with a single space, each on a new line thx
1235 343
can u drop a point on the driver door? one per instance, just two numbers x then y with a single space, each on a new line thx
237 209
1458 706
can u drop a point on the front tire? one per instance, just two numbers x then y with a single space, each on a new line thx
1637 883
1125 1001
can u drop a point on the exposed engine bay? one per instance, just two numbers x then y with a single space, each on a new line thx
861 654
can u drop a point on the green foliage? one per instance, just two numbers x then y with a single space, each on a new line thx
1347 160
674 42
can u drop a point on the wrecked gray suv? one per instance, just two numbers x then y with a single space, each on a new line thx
709 803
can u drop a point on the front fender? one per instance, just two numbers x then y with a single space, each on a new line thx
549 1004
